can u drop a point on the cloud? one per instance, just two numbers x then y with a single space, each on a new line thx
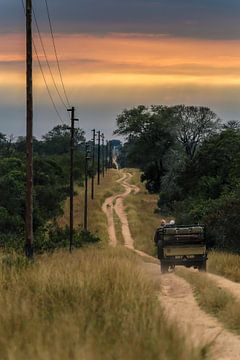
215 19
117 54
120 59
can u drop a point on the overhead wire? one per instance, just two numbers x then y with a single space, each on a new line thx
56 54
46 84
43 75
46 59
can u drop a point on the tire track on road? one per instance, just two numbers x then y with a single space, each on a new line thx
108 208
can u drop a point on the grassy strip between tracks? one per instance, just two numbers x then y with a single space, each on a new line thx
213 299
225 264
91 304
118 229
142 219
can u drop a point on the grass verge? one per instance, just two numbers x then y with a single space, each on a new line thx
213 299
142 219
93 304
225 264
97 219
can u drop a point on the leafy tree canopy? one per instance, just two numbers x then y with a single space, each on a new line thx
151 132
57 140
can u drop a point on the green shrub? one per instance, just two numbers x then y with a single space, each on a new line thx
48 239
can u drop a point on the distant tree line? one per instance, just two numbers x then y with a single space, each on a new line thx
192 159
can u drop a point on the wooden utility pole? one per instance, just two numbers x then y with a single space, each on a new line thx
99 156
72 140
87 158
93 161
106 156
110 155
29 137
103 155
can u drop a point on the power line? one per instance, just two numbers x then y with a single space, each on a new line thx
46 58
46 84
42 72
55 51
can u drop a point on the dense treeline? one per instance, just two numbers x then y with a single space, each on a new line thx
192 160
51 188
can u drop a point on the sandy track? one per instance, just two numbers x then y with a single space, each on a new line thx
107 208
176 296
180 305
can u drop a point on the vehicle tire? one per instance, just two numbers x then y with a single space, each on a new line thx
203 266
164 267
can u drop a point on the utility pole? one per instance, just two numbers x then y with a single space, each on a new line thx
99 155
108 152
29 137
106 158
93 161
103 156
110 156
87 158
72 129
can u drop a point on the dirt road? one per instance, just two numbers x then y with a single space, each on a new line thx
176 296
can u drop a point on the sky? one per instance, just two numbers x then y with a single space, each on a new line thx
115 54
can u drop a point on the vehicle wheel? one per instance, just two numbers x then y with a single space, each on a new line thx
203 266
164 268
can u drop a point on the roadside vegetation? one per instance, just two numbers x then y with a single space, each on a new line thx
97 220
225 264
142 216
213 299
51 190
190 160
92 304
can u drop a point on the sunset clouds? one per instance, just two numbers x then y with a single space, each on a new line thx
119 59
115 54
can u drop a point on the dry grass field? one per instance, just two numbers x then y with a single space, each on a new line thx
99 303
96 303
92 304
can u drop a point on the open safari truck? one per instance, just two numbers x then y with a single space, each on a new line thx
181 245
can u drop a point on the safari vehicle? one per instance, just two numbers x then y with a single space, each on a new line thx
181 245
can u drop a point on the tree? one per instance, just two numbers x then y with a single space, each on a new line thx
3 139
20 145
149 133
195 124
57 141
6 146
232 124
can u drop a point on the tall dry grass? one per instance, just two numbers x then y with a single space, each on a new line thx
225 264
93 304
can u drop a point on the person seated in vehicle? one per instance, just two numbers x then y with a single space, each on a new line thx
158 239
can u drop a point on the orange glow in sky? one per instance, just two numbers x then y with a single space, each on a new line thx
120 60
105 74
